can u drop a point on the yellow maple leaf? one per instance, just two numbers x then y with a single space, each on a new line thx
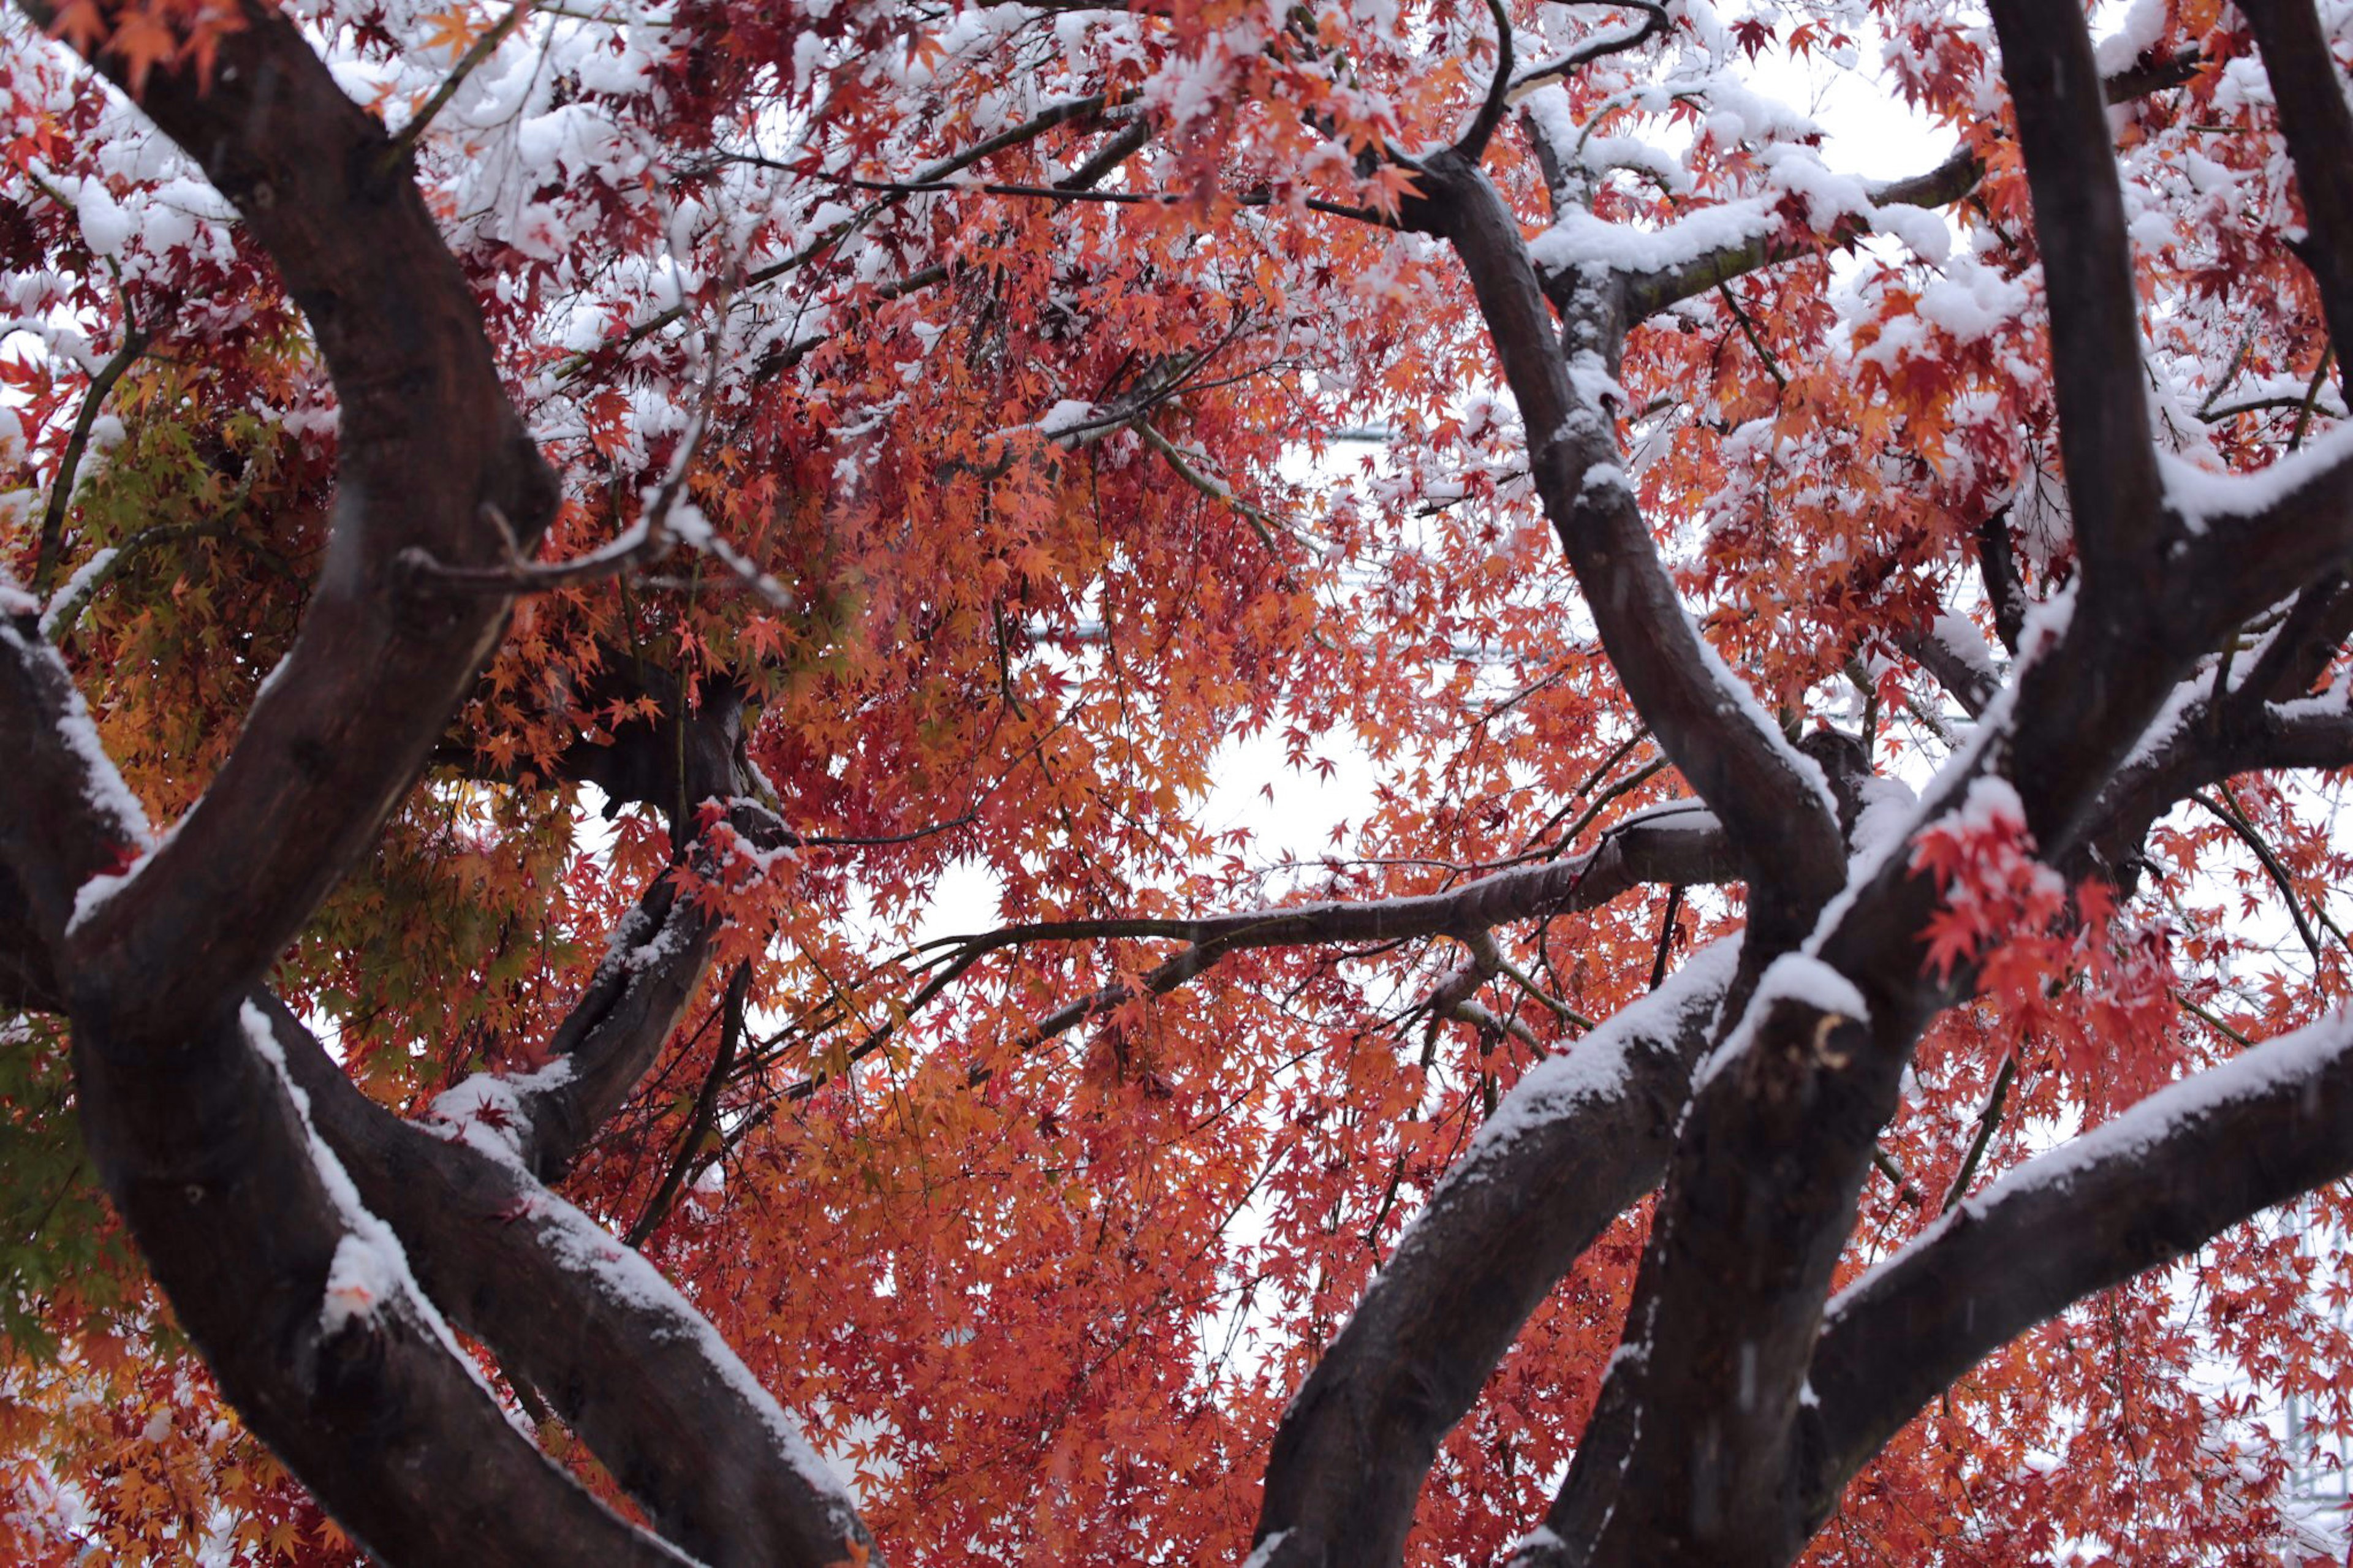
454 30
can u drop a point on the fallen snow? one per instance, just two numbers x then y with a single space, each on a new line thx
1600 1065
583 1245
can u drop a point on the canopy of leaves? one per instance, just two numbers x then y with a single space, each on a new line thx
1015 423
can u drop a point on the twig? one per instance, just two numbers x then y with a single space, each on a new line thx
706 1107
1666 935
2236 820
2211 1022
1895 1172
1654 20
1491 956
2311 396
1600 770
1634 780
2257 406
1473 146
1987 1119
2238 363
1748 331
404 143
1264 524
2328 923
53 519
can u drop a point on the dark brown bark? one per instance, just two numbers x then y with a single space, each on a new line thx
429 445
2174 1172
238 1206
1533 1193
1769 802
2079 222
213 1165
2318 127
631 1368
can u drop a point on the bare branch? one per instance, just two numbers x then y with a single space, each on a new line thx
404 143
2227 812
705 1116
1670 846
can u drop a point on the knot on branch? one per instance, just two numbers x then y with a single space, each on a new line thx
689 751
1846 766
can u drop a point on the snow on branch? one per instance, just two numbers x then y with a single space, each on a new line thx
638 1375
1582 1136
2152 1186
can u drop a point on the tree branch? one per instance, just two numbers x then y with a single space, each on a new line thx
427 438
1654 22
2318 127
1581 1137
2095 345
294 1294
705 1116
53 516
1471 145
404 143
1647 293
2152 1185
631 1367
2004 590
1770 799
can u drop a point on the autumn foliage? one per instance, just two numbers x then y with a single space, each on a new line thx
952 444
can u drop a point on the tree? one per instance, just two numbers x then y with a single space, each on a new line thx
864 439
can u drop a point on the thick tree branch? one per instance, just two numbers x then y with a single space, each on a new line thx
2095 345
1769 798
1684 1458
2319 126
2152 1185
2004 590
606 1043
632 1368
286 1287
428 440
610 1038
210 1161
1959 668
1674 846
1581 1137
